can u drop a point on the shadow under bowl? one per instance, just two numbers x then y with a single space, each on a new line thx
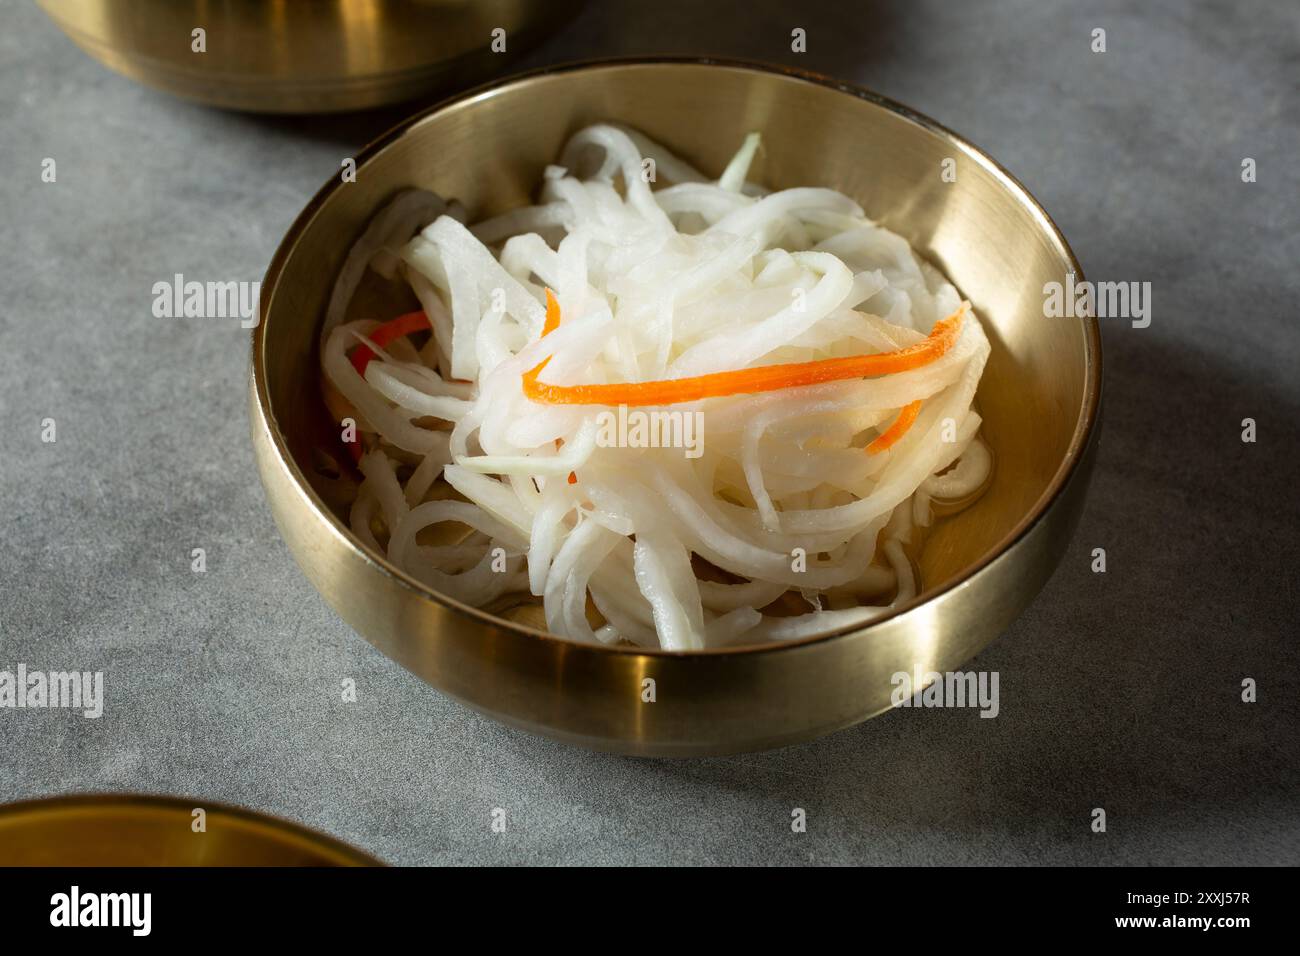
1039 398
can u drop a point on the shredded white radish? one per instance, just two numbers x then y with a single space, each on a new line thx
729 520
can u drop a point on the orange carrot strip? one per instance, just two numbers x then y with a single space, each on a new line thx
904 421
765 378
390 331
354 449
550 325
552 314
361 357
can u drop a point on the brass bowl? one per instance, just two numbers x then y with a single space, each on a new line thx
140 830
1039 398
322 56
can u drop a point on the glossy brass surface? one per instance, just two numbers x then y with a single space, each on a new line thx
307 56
139 830
1039 397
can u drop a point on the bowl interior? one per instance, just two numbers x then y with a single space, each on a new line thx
992 241
140 830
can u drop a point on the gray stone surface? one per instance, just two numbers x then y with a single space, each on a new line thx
1118 690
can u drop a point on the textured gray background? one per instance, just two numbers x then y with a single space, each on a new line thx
1118 690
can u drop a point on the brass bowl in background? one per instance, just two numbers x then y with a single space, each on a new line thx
291 56
141 830
1039 397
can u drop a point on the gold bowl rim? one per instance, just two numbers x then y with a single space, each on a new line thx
281 826
1082 436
